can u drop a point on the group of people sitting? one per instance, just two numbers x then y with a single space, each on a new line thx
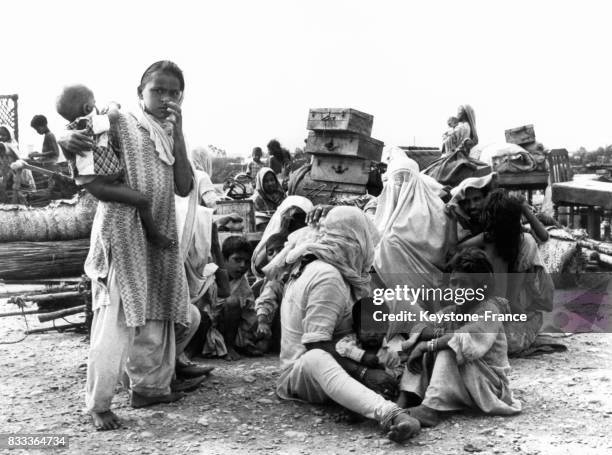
14 176
317 270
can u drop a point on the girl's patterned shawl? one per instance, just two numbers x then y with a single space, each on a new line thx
152 281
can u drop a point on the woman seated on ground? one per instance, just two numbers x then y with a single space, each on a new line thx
413 227
466 206
461 365
329 271
267 197
288 218
520 275
202 169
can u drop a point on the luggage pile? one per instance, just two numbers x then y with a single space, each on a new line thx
343 153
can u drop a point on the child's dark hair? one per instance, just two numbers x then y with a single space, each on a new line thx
475 261
257 150
163 66
38 121
71 101
274 145
6 131
501 223
235 244
275 149
362 314
276 239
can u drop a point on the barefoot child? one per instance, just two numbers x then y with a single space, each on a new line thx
140 294
368 344
100 170
462 365
235 315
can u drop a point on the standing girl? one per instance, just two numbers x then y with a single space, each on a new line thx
140 292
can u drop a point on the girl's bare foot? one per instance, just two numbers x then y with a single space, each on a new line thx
140 401
403 428
104 421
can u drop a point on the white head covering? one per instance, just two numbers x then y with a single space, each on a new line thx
471 120
345 239
202 159
413 227
458 193
396 158
274 227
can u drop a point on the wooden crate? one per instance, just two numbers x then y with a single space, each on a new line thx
346 120
521 135
344 144
340 169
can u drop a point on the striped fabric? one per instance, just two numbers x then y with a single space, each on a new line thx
151 281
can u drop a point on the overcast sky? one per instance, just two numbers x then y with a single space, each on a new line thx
253 68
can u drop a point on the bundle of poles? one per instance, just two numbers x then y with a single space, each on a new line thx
57 300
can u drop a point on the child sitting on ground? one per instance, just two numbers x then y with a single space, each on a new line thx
235 315
368 344
100 171
270 297
461 365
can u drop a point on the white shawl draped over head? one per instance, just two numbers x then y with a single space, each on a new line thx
194 229
471 121
486 183
202 159
161 137
413 227
274 227
345 239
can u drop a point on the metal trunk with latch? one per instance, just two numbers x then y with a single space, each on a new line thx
337 119
521 136
341 169
344 144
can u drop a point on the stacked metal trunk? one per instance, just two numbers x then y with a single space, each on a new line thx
342 154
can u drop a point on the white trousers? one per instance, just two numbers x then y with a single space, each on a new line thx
316 377
147 354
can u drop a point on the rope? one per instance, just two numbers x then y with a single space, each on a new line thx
21 304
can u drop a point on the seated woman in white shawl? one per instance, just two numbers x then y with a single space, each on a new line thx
202 165
414 229
204 266
289 217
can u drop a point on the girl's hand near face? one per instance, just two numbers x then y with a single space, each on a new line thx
175 117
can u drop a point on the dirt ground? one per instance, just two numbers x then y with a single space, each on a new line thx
567 407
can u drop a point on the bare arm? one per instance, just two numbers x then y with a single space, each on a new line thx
221 276
52 148
538 228
183 175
